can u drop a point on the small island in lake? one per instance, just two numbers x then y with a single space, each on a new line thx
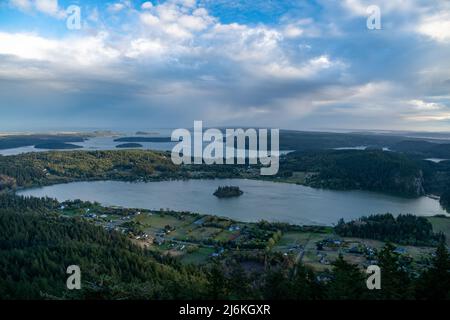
129 145
57 145
228 192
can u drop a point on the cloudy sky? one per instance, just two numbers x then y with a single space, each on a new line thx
288 64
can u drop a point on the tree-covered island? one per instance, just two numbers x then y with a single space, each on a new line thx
228 192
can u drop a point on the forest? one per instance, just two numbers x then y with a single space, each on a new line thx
372 170
404 229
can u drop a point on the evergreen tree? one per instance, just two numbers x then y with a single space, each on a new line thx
217 281
276 286
347 281
395 282
434 284
239 283
304 284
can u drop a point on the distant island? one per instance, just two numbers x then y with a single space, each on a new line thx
145 133
143 139
57 145
25 140
129 145
228 192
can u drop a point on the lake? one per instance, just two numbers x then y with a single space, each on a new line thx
261 200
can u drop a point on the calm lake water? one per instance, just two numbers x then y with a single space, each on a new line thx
261 200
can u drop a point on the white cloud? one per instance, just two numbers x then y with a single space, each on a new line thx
26 46
116 7
145 47
422 111
93 15
292 31
149 19
179 20
48 7
440 116
308 70
84 51
359 7
21 4
437 26
146 5
256 45
425 106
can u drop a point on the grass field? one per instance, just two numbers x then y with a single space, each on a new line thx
198 257
441 224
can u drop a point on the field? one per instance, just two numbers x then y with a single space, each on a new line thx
196 239
441 224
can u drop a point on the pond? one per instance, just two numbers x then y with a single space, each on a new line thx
267 200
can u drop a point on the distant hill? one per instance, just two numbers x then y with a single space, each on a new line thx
413 146
145 133
17 141
303 140
423 148
381 171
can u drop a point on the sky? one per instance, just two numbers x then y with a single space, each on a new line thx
293 64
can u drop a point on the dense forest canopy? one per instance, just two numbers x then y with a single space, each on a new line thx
403 229
358 169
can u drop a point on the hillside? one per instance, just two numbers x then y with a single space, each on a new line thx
372 170
44 244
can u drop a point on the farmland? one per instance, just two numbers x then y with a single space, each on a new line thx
198 239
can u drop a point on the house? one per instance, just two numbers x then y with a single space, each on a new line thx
216 254
400 250
354 250
159 240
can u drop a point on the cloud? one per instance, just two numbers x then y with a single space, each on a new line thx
425 106
425 111
116 7
175 19
21 4
48 7
176 61
292 31
359 7
308 70
92 50
146 5
437 26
